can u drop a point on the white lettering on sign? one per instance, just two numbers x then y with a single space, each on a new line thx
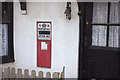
44 31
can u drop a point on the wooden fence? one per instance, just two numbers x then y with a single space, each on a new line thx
11 73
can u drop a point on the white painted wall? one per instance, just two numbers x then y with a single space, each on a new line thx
65 37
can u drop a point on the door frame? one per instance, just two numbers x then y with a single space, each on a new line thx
81 13
82 24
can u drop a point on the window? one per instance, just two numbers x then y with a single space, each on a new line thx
6 32
106 24
3 39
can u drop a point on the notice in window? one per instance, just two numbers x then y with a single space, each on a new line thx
43 45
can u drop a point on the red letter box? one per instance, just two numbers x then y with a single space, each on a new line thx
44 37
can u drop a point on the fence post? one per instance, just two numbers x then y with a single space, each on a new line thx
6 73
56 76
63 73
12 74
33 74
26 74
19 73
1 70
40 74
48 75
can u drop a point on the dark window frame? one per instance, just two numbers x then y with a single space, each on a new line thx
108 24
88 18
10 57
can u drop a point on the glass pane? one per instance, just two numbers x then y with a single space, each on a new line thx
0 40
115 12
114 36
3 39
114 31
99 34
0 12
100 12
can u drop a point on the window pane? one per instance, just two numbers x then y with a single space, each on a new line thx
100 12
114 36
114 31
115 12
0 41
99 35
3 39
0 12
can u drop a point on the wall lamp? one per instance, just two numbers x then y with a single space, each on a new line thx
68 11
23 6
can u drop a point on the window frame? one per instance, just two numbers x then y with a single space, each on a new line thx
10 57
89 23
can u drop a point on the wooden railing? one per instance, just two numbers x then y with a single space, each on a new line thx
11 73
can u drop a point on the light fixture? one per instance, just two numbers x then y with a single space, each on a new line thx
23 6
68 11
